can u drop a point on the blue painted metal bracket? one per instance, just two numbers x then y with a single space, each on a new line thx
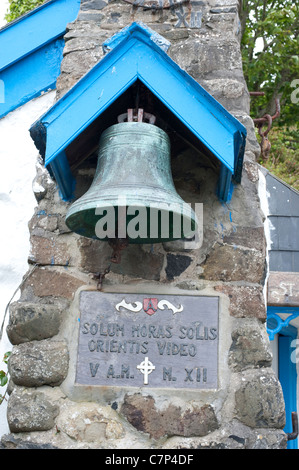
136 54
31 52
275 324
63 176
39 72
225 185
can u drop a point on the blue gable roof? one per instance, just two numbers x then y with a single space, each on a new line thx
31 52
138 53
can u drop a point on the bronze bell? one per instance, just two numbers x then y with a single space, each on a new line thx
132 195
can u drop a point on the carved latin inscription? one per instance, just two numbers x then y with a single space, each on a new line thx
153 341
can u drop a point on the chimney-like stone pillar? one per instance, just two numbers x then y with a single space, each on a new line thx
45 409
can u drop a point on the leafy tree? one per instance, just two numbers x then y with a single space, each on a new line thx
284 155
270 46
20 7
274 67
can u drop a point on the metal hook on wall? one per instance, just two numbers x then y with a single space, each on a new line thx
260 122
294 434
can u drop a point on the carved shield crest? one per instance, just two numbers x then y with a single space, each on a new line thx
150 306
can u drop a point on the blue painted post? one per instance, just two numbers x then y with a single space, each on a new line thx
288 380
63 176
225 186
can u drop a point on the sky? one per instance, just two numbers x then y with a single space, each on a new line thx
3 9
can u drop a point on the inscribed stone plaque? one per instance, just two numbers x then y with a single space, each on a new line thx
142 340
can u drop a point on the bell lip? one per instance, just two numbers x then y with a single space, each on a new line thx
89 231
78 207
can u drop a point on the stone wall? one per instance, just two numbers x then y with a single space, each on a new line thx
247 410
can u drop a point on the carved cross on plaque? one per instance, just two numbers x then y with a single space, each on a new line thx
146 368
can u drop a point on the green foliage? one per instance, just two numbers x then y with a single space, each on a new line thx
20 7
284 155
4 376
274 25
274 69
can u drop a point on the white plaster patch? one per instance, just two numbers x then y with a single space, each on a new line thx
18 158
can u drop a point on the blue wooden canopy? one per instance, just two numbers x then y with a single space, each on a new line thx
31 52
138 54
